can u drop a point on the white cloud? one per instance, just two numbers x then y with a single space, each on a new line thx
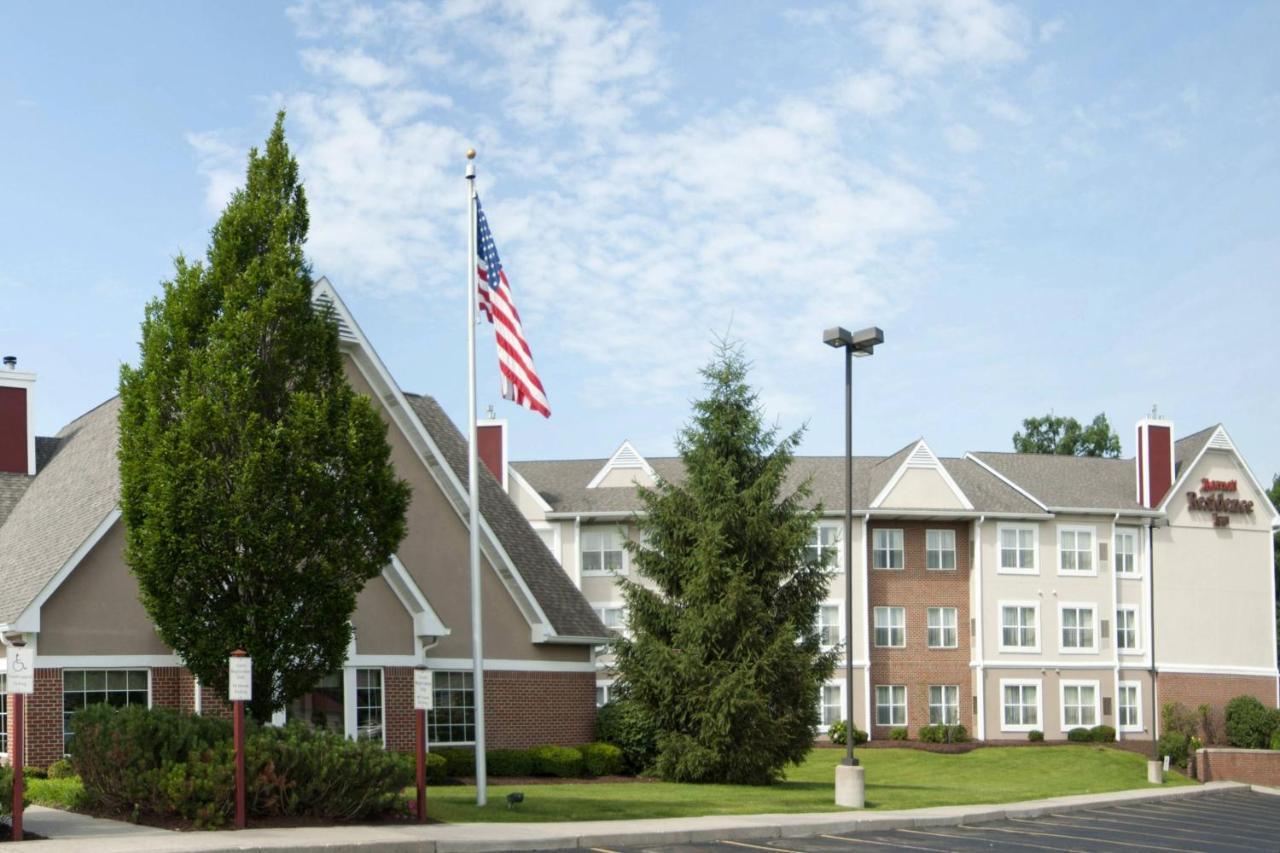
872 93
962 138
924 37
354 67
222 165
1051 29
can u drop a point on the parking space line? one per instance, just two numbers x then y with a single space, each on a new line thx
1202 823
1022 844
1230 806
607 850
895 844
1156 826
1189 815
1019 844
758 846
1143 846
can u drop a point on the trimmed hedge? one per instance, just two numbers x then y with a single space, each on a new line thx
61 769
601 759
1079 735
1177 746
625 725
900 733
1035 736
1102 734
836 733
1249 723
458 762
944 734
509 762
564 762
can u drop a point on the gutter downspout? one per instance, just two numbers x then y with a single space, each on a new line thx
978 629
866 629
1151 636
1115 627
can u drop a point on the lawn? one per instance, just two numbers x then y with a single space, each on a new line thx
896 779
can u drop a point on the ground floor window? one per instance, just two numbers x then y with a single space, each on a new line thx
891 705
1129 706
604 693
1021 705
369 705
322 706
4 716
115 687
453 720
944 704
832 704
1079 704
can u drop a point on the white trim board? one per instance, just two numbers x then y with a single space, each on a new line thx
625 458
1010 483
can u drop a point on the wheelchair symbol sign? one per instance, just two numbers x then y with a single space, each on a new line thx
20 665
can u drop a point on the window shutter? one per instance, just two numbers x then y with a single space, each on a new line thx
1106 706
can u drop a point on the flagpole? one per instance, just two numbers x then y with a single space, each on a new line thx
473 491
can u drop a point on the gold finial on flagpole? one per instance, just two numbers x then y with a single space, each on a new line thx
471 153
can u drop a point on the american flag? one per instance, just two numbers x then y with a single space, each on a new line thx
520 382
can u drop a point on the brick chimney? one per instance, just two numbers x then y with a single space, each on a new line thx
17 419
1154 461
491 440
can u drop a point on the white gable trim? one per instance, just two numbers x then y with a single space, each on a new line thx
425 621
1220 441
528 488
1010 483
375 372
626 457
29 621
923 458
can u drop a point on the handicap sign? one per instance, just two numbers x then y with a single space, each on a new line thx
20 674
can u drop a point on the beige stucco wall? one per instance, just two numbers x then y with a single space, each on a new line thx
96 610
922 488
1050 698
382 624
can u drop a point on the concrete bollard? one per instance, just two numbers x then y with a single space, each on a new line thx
851 786
1155 772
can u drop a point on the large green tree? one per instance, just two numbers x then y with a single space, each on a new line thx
723 661
256 486
1066 437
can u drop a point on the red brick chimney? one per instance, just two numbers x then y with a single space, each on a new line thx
491 440
17 419
1154 461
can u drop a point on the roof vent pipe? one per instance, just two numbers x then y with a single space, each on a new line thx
11 362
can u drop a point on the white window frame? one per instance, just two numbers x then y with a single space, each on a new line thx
892 705
941 551
837 536
1024 650
1136 572
1136 649
1038 684
1077 529
944 705
62 690
602 572
822 704
556 544
875 626
605 684
942 627
1062 703
889 550
434 673
1137 705
602 607
1077 605
1034 569
351 691
839 606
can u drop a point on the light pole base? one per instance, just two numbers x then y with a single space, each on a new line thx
1155 772
851 786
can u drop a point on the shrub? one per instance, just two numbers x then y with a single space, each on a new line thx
437 769
957 734
1207 723
1249 723
1102 734
6 791
61 769
458 762
601 759
1174 717
509 762
32 772
1079 735
1275 739
624 724
562 761
838 730
900 733
932 734
1176 746
1035 736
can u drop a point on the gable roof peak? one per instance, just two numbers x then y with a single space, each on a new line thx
626 457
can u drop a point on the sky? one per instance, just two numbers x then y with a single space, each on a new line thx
1046 207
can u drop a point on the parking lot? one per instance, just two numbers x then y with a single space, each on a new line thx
1230 821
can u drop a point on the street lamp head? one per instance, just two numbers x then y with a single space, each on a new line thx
837 337
861 343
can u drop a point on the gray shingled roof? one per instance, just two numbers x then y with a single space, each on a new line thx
12 487
70 497
564 605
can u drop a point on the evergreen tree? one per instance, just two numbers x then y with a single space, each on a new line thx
257 489
723 661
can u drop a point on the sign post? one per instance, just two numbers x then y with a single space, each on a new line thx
21 680
239 691
422 700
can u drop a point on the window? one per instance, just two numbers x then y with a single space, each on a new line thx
116 687
824 545
1017 549
1126 548
830 629
453 720
1075 550
891 626
550 538
1020 701
323 706
369 704
614 619
891 705
1077 628
1129 706
942 627
940 549
886 549
4 716
944 704
1127 629
832 704
1018 627
604 693
1079 704
601 551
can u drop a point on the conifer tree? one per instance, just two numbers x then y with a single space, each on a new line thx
723 661
256 487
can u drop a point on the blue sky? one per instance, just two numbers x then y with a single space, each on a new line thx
1068 207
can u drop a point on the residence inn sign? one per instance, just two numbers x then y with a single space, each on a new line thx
1213 497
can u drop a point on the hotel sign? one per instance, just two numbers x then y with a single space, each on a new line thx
1215 496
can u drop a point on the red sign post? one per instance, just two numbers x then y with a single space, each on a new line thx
421 704
20 670
239 691
15 753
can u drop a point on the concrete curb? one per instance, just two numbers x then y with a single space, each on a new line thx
491 837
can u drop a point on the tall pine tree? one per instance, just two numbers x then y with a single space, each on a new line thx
723 661
257 488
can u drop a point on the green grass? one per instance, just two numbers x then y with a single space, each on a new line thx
55 793
896 779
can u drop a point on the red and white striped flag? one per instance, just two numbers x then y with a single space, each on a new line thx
520 382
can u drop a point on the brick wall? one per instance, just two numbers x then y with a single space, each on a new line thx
397 707
1215 690
916 589
1254 766
43 720
166 687
531 708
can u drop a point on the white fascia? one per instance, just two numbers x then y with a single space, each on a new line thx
626 457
